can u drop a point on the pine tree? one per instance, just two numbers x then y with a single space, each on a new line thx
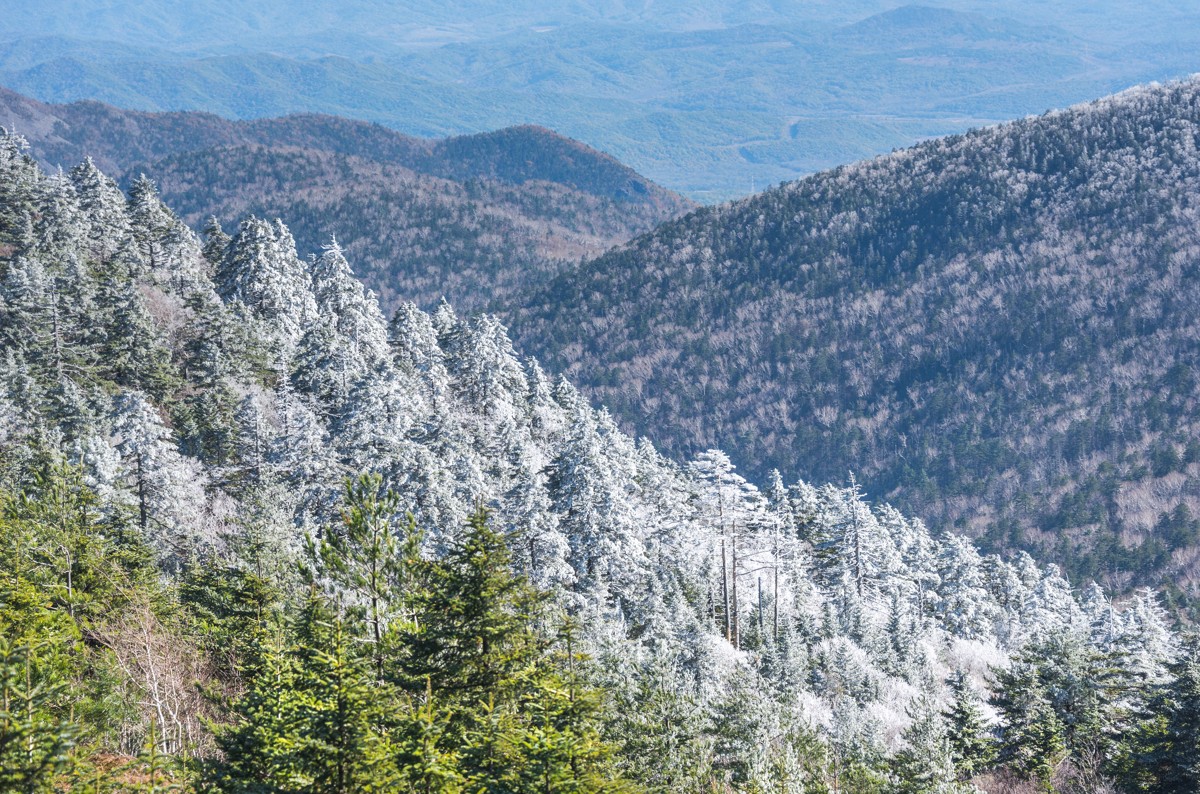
471 595
1166 747
150 219
585 489
972 747
130 347
19 184
427 760
365 558
34 742
926 764
964 606
414 343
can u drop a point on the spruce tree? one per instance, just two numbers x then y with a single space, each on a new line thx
364 557
926 764
1166 747
972 747
311 720
518 712
1033 741
34 741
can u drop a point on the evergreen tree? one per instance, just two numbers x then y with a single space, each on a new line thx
35 743
311 720
364 558
972 746
150 219
926 764
518 712
216 241
19 178
262 273
103 206
1033 741
1164 752
167 487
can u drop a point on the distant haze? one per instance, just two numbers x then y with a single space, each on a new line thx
715 101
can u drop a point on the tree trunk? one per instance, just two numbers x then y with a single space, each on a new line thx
737 630
725 593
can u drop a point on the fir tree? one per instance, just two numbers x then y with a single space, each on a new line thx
926 764
972 746
311 720
1033 740
365 558
34 742
1166 746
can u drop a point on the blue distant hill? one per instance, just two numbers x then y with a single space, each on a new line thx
715 101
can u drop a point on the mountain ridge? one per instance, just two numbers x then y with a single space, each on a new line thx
710 102
462 217
946 321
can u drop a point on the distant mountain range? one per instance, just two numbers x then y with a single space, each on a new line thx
714 101
996 331
463 217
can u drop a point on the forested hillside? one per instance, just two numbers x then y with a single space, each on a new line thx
995 331
259 538
467 218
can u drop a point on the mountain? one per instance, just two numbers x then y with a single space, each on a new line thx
463 217
259 535
711 101
995 331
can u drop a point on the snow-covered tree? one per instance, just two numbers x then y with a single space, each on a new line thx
166 489
261 272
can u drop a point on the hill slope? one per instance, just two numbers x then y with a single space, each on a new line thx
461 217
996 330
176 420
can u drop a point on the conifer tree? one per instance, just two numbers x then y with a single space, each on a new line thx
1165 749
427 762
103 206
926 764
972 747
19 178
216 241
311 720
262 273
364 557
1033 741
34 742
518 713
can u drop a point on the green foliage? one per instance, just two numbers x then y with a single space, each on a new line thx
363 557
665 743
310 720
231 612
1161 754
972 747
35 740
474 695
70 578
515 700
1060 699
926 764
